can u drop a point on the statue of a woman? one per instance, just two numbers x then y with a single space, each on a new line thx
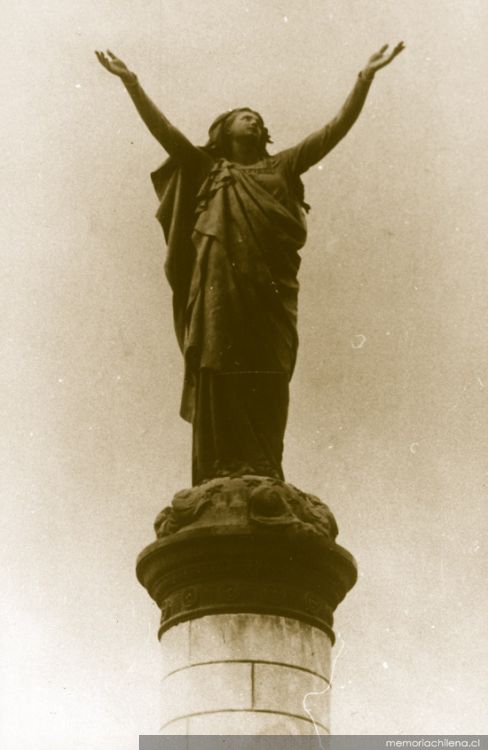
234 220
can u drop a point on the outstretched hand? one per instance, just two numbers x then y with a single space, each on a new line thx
382 58
115 65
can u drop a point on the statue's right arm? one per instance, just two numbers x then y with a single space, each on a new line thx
170 138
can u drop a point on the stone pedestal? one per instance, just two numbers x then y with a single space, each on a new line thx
247 574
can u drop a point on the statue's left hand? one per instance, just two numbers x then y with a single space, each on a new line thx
382 58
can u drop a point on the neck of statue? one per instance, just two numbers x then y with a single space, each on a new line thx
244 152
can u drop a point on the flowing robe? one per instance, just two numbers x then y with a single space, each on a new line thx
233 233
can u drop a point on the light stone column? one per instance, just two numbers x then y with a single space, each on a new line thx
245 674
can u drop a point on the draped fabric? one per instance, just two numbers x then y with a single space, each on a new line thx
232 263
242 305
239 424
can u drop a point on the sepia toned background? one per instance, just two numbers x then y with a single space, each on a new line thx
388 421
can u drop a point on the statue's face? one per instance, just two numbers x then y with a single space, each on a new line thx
245 124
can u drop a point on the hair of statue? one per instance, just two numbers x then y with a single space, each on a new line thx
218 144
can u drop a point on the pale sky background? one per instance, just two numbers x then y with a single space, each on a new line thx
389 401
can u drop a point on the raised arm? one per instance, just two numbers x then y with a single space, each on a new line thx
317 145
170 138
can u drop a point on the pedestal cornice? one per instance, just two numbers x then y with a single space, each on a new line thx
246 544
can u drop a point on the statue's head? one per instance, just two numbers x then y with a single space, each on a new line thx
238 123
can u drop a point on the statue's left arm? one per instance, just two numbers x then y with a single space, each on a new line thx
317 145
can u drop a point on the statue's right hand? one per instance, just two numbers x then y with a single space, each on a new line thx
114 65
